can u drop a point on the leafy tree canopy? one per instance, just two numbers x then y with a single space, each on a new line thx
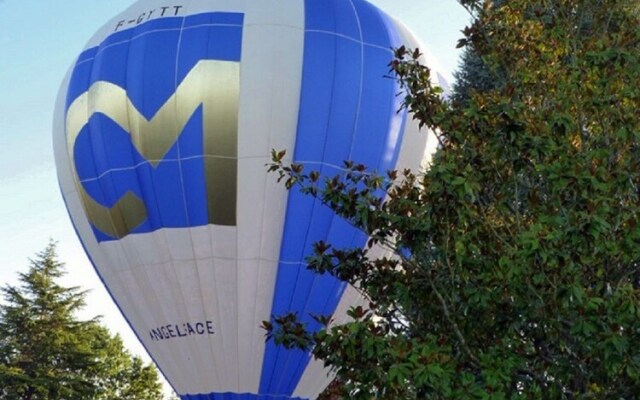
514 267
47 353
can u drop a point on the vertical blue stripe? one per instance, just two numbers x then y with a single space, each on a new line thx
347 111
237 396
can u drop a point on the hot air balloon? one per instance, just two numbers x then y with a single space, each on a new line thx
162 130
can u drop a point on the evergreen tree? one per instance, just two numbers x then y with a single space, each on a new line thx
43 348
47 353
473 74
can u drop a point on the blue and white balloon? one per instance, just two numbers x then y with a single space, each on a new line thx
163 128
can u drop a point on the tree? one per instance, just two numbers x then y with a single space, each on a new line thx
473 74
47 353
119 375
516 257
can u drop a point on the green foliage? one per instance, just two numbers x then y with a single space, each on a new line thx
47 353
119 375
515 268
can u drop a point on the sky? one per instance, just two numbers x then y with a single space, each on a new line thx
39 40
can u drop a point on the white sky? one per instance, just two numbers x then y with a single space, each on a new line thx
38 41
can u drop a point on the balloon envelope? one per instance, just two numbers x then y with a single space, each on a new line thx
163 128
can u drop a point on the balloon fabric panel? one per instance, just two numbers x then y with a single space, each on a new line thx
340 105
238 396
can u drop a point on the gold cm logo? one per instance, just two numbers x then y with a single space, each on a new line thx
213 84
